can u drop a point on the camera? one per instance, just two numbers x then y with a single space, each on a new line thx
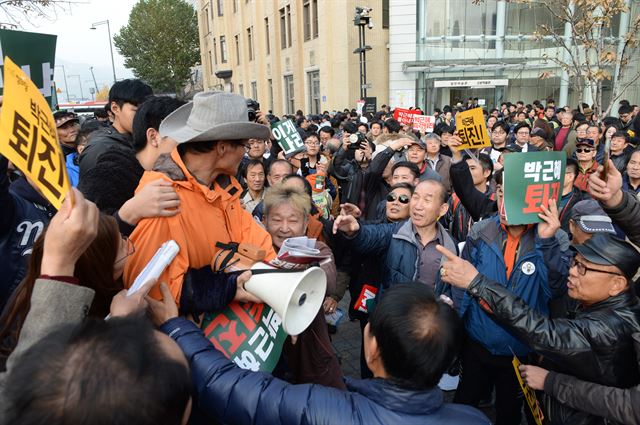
253 108
356 140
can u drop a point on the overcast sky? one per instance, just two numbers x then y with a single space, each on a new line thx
78 47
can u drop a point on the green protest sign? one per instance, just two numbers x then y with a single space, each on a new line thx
530 180
287 137
34 53
251 335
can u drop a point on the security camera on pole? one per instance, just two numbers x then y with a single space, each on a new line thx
362 20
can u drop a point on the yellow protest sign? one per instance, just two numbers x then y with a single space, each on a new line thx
28 135
529 394
472 129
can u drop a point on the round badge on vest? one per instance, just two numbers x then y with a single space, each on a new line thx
528 268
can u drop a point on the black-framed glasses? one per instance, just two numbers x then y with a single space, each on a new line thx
130 248
392 197
585 150
582 268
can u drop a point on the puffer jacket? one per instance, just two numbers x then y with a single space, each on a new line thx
397 244
539 274
595 346
24 214
232 395
614 404
101 141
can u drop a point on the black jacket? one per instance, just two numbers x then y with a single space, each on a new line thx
627 216
615 404
477 204
595 346
102 141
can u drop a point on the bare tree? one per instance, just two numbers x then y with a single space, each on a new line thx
13 13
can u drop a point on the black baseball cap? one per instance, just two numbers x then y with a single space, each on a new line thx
608 250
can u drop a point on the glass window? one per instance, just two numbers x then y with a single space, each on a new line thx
314 11
237 42
215 53
220 11
306 16
288 94
254 90
250 42
241 89
385 13
313 79
289 32
223 49
270 93
205 17
283 29
267 35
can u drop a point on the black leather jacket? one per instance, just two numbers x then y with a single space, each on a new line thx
614 404
595 346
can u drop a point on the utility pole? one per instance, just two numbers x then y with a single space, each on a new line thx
362 20
94 79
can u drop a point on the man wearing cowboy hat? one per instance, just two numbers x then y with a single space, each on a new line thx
211 133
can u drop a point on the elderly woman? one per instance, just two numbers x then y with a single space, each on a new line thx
310 357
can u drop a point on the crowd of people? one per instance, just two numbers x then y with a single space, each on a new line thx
459 290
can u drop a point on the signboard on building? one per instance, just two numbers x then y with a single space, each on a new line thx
370 105
34 53
470 83
531 179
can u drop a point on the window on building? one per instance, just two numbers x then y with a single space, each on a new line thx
288 95
283 29
385 13
266 35
236 39
314 12
313 79
205 17
220 10
235 6
241 89
250 42
306 16
210 61
223 49
289 32
254 90
270 94
215 52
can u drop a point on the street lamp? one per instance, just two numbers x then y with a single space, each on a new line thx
66 87
362 20
93 27
94 78
79 82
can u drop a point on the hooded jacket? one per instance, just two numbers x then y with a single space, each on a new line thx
238 396
24 214
207 216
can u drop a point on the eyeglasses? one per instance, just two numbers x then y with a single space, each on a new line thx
392 197
585 150
316 143
130 248
582 269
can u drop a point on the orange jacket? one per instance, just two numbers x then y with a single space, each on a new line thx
206 216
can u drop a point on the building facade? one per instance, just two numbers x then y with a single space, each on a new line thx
445 51
293 54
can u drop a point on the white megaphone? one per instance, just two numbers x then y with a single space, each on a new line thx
295 296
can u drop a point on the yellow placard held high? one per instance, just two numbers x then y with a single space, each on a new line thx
28 135
472 129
